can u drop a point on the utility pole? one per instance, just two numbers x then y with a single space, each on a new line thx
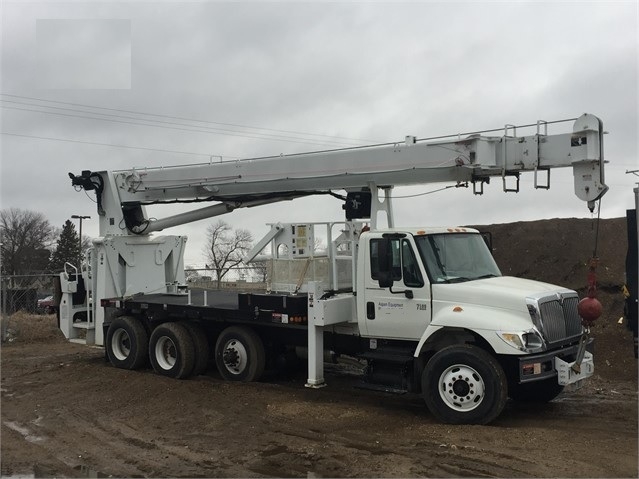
4 320
80 217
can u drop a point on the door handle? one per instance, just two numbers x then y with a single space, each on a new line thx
370 310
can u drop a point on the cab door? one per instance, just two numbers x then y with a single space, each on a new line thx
402 311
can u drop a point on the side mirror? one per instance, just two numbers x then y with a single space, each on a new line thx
384 267
384 273
385 279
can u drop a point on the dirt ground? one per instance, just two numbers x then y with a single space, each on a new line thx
67 413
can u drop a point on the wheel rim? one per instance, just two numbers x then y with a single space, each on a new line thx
234 356
461 387
165 353
121 344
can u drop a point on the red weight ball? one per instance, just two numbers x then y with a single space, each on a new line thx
589 309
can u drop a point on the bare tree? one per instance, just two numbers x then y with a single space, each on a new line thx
26 238
191 274
259 270
225 248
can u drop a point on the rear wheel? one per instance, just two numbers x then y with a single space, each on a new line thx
239 354
171 351
201 347
463 384
127 343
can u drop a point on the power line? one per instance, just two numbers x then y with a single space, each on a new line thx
115 146
194 129
184 119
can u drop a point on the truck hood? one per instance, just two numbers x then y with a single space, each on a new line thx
504 292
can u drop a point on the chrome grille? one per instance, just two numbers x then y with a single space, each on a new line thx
560 319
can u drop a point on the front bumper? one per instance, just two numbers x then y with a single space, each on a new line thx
537 367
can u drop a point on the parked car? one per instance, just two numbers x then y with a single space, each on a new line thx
47 305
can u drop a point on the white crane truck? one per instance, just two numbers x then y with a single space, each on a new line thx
426 309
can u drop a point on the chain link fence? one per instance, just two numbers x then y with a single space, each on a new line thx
22 293
249 277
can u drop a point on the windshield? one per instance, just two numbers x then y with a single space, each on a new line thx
454 258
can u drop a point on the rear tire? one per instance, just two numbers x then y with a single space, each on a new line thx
127 343
463 384
239 354
201 347
171 351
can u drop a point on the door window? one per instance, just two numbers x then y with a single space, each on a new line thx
403 262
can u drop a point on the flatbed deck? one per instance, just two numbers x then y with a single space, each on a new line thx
214 299
218 305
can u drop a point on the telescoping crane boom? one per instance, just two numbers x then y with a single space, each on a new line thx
121 195
425 307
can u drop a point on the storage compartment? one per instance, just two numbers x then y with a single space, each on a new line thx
276 308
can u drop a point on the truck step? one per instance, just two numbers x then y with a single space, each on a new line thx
380 387
78 340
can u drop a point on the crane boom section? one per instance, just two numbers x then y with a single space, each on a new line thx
471 159
404 163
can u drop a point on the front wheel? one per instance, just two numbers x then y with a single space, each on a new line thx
463 384
239 354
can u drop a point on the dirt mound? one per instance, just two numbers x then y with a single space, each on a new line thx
557 251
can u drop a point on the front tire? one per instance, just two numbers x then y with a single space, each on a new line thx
463 384
127 343
239 354
171 351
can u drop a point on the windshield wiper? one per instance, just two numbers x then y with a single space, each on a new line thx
462 279
489 275
458 279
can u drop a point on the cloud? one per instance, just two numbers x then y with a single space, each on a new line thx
84 54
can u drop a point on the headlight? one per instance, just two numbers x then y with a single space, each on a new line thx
513 339
528 341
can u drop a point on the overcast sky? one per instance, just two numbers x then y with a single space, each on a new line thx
273 78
